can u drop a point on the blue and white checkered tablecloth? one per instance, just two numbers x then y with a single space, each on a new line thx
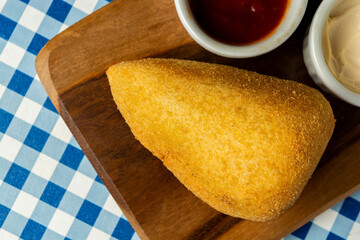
48 188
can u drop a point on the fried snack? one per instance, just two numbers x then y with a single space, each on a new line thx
244 143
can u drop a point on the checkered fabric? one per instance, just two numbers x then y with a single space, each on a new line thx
48 188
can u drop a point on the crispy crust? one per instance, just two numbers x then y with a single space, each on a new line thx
243 142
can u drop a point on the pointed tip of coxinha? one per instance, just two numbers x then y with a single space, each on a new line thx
243 142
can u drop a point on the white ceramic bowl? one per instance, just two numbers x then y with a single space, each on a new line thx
293 16
314 57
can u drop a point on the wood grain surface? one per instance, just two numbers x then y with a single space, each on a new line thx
71 67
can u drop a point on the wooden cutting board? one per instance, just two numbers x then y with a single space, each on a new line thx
71 67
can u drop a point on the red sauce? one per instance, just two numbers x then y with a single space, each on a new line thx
239 22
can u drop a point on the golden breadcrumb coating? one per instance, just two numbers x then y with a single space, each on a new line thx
243 142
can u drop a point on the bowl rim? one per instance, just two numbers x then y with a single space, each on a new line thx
317 54
293 16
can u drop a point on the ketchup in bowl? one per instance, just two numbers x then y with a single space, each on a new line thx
239 22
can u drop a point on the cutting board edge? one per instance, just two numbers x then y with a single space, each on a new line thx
43 71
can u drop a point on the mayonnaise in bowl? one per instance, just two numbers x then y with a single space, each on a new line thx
341 43
332 49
